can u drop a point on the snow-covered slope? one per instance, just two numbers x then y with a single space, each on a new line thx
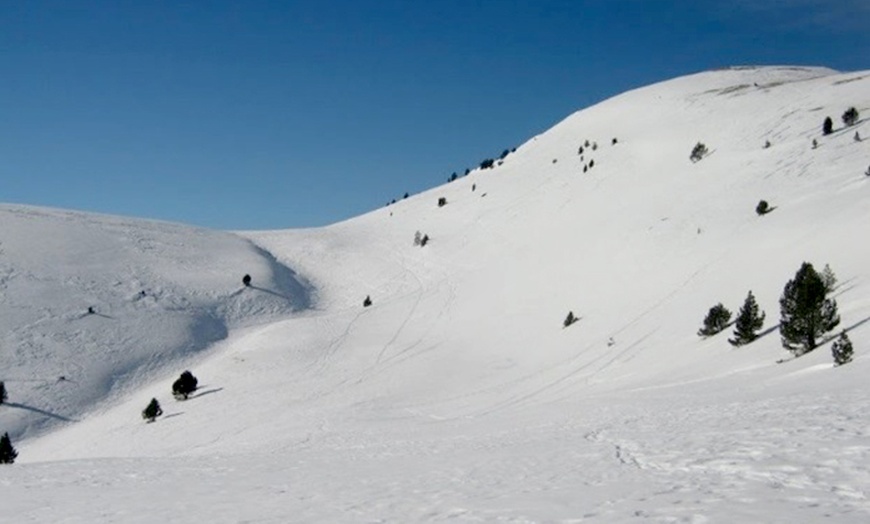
159 293
458 395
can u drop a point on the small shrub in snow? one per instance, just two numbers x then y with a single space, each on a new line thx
867 173
698 152
594 146
829 279
716 320
417 238
850 116
749 321
424 241
614 141
763 208
3 395
453 177
842 350
570 319
442 201
805 311
487 164
368 301
856 137
767 144
406 196
184 386
504 154
827 126
152 411
7 451
815 143
246 280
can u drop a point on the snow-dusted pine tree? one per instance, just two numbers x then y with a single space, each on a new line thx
749 321
842 349
805 312
716 320
3 395
829 278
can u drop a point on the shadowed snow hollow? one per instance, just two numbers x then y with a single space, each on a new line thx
90 305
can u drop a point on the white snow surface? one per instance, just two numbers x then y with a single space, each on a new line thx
458 396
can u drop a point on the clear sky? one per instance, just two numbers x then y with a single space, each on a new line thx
275 114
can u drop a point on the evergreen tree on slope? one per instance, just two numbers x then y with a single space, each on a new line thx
842 350
7 452
749 321
805 311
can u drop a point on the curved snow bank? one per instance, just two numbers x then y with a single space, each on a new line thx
158 293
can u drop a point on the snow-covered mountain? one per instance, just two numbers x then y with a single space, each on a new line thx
458 395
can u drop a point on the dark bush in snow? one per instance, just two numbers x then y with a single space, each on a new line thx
842 350
805 311
815 143
614 141
767 144
827 126
698 152
424 241
368 301
850 116
570 319
246 280
184 386
442 201
7 452
3 395
487 164
856 137
763 208
716 320
453 177
152 411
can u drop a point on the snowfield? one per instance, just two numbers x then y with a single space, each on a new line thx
458 396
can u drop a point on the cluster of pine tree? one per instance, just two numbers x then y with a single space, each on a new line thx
806 314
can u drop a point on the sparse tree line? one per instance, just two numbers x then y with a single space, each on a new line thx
807 313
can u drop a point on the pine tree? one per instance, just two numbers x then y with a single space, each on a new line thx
7 452
805 312
570 319
3 395
749 321
716 320
698 152
842 349
152 411
850 116
829 279
827 126
184 386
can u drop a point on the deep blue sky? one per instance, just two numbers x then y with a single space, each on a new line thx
259 115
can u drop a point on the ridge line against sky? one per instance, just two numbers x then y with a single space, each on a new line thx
262 115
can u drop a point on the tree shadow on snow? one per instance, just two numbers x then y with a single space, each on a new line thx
39 411
173 415
204 393
269 291
846 329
